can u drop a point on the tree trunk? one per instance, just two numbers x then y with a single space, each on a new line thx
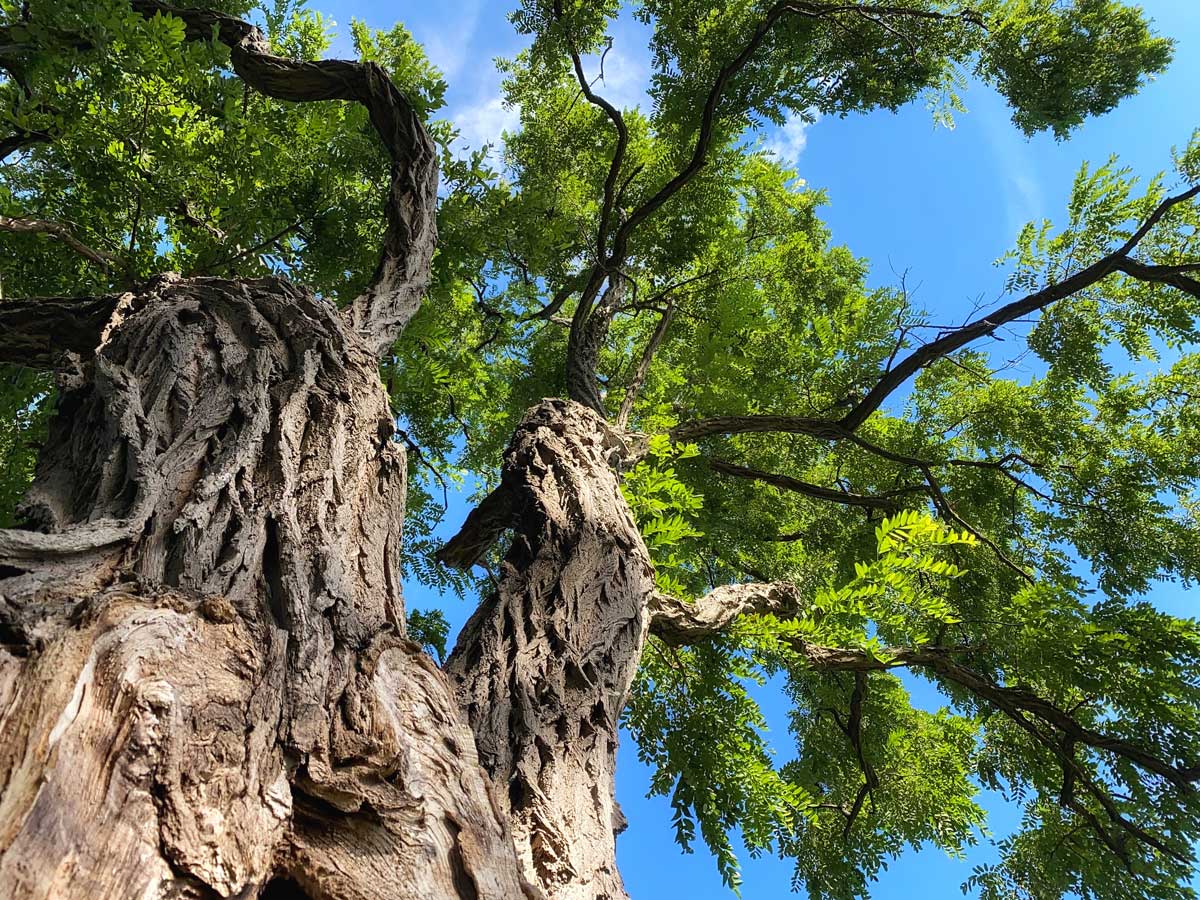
207 691
544 666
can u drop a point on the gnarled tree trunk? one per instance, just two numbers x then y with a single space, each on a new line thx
544 666
206 684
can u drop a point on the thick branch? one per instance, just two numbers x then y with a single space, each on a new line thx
886 501
698 429
1172 275
677 622
402 275
39 333
55 230
483 528
584 343
21 140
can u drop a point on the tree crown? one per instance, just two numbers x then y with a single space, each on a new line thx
927 506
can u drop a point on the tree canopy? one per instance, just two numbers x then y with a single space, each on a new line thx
910 502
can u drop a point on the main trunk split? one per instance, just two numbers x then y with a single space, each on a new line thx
206 685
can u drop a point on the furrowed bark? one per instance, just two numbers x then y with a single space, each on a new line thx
544 666
40 333
402 275
677 623
205 677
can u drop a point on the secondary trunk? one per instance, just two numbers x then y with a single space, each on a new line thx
205 680
206 688
545 664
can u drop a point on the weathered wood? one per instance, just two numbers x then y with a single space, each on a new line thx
205 679
545 664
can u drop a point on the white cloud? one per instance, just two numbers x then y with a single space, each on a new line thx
448 46
484 122
788 141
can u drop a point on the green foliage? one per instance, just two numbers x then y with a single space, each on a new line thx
1058 63
664 508
694 718
430 629
25 403
160 158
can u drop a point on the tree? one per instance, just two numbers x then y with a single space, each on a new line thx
210 690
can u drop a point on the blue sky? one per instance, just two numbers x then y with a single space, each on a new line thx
938 204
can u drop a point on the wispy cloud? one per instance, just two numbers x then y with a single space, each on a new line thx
483 122
1024 197
626 75
788 141
450 48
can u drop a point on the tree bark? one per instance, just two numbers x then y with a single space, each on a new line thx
207 691
544 666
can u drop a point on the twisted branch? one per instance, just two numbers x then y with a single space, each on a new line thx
402 275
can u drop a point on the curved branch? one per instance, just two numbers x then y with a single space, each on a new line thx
676 623
730 70
402 275
605 266
618 121
59 231
956 339
21 140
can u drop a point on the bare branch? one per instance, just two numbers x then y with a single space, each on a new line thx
614 166
483 527
986 325
22 140
643 367
886 501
